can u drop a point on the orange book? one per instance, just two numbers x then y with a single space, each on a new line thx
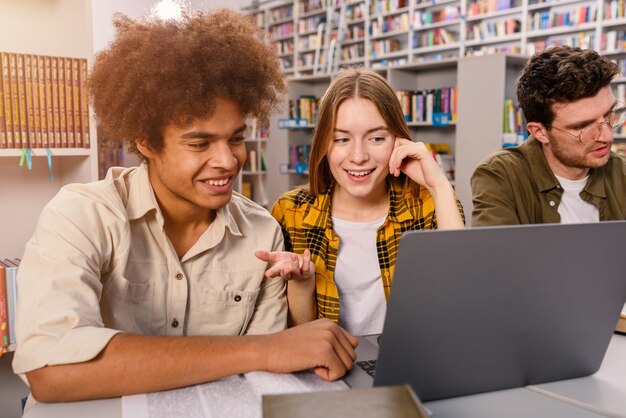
33 109
6 118
84 103
15 101
28 99
62 101
47 68
78 137
21 88
69 103
43 107
56 102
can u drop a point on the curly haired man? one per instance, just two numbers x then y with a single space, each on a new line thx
148 280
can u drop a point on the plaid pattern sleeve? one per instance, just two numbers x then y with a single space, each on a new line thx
306 224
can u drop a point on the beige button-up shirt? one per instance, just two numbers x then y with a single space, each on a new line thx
100 263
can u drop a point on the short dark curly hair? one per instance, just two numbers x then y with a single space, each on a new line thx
561 74
158 72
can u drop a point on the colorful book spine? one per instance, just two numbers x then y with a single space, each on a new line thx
15 101
21 88
78 133
28 99
69 103
84 103
6 122
62 101
47 68
43 107
11 274
4 311
56 102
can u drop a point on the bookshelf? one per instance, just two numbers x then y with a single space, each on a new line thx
252 179
479 127
380 34
69 34
60 28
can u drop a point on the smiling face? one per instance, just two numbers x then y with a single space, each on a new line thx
566 155
195 170
358 155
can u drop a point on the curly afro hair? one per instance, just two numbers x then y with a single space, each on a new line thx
161 72
561 74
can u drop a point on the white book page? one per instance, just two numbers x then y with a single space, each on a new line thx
235 396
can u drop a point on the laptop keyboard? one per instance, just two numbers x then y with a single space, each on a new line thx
368 365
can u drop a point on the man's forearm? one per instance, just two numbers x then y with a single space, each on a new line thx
137 364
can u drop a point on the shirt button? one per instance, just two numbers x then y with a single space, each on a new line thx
552 203
174 323
179 276
237 298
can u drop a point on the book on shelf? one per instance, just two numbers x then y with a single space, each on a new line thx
69 105
262 159
246 189
41 96
43 101
442 154
84 103
55 103
4 311
29 103
251 161
10 268
513 125
421 105
6 124
299 158
62 101
20 88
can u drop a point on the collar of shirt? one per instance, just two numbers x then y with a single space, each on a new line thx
141 200
545 178
318 215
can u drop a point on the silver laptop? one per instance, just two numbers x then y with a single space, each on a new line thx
484 309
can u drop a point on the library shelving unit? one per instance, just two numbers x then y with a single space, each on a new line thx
252 178
61 28
24 191
383 33
303 91
480 110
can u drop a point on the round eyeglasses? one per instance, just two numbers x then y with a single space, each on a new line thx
591 133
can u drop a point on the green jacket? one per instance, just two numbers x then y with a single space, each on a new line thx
516 186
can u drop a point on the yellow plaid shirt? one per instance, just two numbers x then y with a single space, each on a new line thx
306 223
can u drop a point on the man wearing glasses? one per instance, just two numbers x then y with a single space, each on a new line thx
565 172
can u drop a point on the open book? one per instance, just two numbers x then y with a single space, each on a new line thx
235 396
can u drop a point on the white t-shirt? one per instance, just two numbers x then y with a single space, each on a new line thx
358 278
572 208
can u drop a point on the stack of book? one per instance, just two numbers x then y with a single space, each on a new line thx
43 102
8 301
